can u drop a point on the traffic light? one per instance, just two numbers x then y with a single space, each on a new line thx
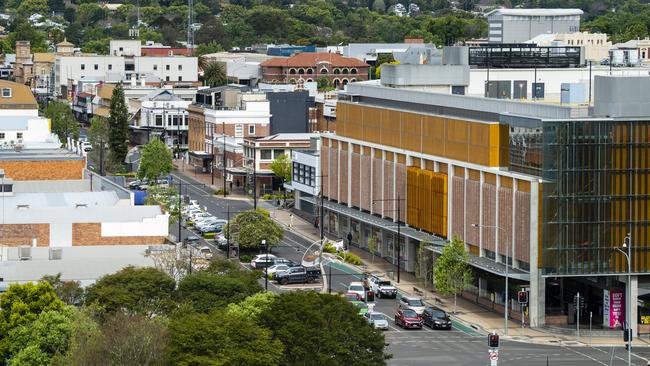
627 335
493 340
522 296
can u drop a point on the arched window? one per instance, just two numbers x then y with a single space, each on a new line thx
323 71
310 71
337 71
353 71
292 81
345 71
337 83
309 80
301 71
292 71
353 80
345 82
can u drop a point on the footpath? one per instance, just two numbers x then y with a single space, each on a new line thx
472 315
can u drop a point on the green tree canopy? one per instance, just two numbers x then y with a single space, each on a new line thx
252 306
281 167
207 290
250 227
214 74
70 292
63 122
156 160
328 331
451 272
146 291
119 126
220 339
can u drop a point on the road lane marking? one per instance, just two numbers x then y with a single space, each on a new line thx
584 355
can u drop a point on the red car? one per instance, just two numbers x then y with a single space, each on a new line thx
408 319
352 296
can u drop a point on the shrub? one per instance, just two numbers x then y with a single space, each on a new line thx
352 259
128 174
209 235
329 248
245 258
220 192
189 223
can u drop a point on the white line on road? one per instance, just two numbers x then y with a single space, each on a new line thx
585 355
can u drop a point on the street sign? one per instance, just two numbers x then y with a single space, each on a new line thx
494 356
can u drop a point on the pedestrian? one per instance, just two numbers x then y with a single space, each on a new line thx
290 221
316 222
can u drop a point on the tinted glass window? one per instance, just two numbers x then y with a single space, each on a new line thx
415 302
356 288
409 313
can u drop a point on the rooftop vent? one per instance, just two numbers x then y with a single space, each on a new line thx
79 205
22 207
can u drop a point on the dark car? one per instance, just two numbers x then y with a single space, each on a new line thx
191 240
436 318
408 319
298 275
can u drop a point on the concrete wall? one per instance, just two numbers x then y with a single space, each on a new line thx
424 75
622 96
289 112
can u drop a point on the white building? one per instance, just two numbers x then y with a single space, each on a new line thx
596 46
162 113
520 25
125 47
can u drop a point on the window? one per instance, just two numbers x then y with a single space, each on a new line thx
19 135
155 67
167 78
159 120
239 131
6 92
265 154
175 120
180 78
83 66
251 129
121 49
2 135
167 67
110 67
277 153
180 67
96 67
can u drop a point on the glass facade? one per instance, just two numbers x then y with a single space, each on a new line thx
596 190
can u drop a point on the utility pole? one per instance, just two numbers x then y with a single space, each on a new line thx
223 160
266 278
254 177
212 151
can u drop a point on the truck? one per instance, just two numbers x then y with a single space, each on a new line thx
381 287
298 275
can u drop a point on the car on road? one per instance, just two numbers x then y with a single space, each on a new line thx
436 318
206 251
298 274
352 296
408 319
411 302
382 288
362 306
282 261
191 240
277 268
262 260
199 216
357 288
135 184
87 146
377 320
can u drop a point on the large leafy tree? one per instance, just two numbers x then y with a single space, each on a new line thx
146 291
21 305
69 292
281 167
208 290
118 122
250 227
222 339
63 122
156 160
321 329
451 272
214 74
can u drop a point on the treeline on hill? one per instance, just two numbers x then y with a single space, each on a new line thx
322 22
216 316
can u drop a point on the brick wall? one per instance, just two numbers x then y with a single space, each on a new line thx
522 226
90 234
489 216
343 176
325 169
473 210
14 235
388 189
377 178
43 169
366 181
356 179
458 204
505 219
333 174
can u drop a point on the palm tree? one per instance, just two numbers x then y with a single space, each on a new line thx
214 74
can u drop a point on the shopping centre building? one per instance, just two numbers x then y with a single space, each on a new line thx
549 189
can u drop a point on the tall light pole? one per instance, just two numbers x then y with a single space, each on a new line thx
266 259
399 227
223 158
505 234
627 243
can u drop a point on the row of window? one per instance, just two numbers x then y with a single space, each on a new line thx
19 135
269 154
110 67
304 174
172 120
344 71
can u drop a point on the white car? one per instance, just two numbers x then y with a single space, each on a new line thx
199 216
87 146
357 288
377 320
262 260
205 220
382 288
414 303
276 268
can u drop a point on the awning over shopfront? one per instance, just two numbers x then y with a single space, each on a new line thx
434 243
101 111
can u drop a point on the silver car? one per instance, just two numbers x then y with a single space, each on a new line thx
377 320
414 303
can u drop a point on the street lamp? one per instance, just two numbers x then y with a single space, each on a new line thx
505 234
627 243
399 227
266 260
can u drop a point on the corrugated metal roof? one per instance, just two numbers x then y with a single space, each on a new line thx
537 12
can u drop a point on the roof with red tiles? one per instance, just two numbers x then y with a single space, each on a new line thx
310 59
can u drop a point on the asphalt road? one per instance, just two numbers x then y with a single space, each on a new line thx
459 346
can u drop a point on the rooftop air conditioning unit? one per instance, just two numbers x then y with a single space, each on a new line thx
25 253
56 254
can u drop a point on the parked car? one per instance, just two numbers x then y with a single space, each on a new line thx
198 216
298 275
206 251
191 240
407 318
262 260
282 261
362 306
436 318
277 268
135 184
414 303
377 320
357 288
351 296
382 288
87 146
